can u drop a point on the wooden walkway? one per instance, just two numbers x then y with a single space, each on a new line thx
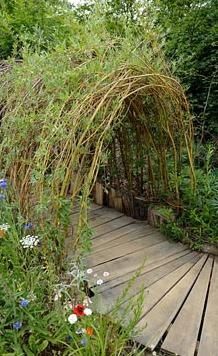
180 309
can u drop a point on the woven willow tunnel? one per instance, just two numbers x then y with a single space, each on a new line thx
69 113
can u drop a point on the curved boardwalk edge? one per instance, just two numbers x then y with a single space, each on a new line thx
180 310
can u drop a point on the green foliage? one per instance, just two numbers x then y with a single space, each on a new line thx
63 109
187 31
34 274
40 25
197 222
190 32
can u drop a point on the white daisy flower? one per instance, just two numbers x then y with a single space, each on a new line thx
89 271
72 319
88 311
106 274
100 282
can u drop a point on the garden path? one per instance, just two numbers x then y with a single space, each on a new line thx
180 311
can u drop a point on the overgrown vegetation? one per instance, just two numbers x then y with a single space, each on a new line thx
87 94
53 140
196 221
38 296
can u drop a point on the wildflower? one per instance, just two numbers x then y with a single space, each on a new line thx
28 226
57 296
89 271
84 341
24 303
87 311
2 196
29 241
79 310
3 183
17 325
87 301
100 282
80 331
72 319
89 331
4 227
31 296
106 274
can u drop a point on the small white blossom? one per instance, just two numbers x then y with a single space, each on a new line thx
89 271
4 227
100 282
80 331
29 241
88 311
72 319
57 296
31 296
87 301
106 274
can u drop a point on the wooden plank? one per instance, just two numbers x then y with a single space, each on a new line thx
101 220
144 281
154 293
113 225
111 197
159 318
92 207
127 249
209 337
110 237
98 216
136 234
165 267
104 211
155 256
182 336
99 193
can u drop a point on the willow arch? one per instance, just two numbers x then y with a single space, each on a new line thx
58 132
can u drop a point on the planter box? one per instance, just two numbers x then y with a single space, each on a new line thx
123 201
156 218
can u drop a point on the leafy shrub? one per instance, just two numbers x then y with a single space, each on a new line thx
197 222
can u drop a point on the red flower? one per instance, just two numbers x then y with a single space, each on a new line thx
79 310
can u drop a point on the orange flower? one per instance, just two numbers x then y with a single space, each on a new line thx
89 331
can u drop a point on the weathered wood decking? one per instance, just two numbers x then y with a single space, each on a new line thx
180 310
